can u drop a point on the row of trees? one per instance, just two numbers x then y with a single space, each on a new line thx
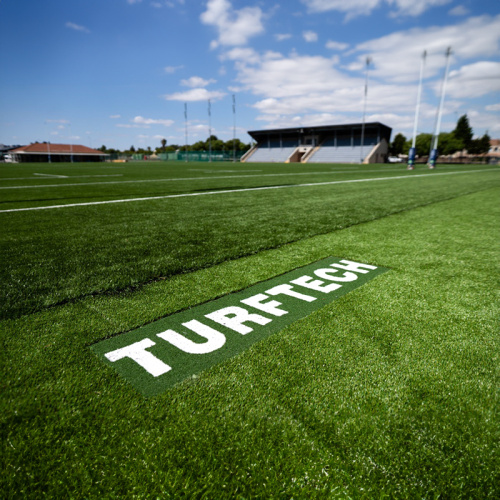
448 142
216 145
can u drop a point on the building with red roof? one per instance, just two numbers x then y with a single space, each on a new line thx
52 153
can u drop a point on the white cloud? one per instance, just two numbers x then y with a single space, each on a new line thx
235 27
353 8
280 37
132 2
397 56
493 107
193 95
172 69
414 7
166 3
246 54
336 45
77 27
310 36
474 80
317 86
459 10
484 121
141 122
114 117
196 81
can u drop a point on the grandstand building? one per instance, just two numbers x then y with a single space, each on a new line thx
322 144
52 153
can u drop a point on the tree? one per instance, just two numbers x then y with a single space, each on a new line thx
423 144
238 145
163 144
449 143
398 145
480 146
463 131
198 146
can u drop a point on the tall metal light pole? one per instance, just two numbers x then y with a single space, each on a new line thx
186 128
434 144
368 61
209 131
412 153
234 128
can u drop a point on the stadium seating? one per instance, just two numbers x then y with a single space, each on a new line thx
272 154
342 151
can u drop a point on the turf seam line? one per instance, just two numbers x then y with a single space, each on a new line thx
139 286
242 190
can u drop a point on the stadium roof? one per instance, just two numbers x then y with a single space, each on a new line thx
385 130
54 149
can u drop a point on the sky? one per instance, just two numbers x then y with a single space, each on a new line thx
122 72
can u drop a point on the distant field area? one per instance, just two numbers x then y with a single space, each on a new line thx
388 391
102 243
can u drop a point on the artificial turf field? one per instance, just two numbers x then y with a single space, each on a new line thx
388 392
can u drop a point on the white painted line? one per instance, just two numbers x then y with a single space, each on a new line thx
243 190
288 174
99 175
53 175
60 176
208 171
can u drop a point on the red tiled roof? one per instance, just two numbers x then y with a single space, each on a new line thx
57 149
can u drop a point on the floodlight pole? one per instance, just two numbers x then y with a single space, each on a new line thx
209 131
186 128
368 61
234 128
412 153
434 144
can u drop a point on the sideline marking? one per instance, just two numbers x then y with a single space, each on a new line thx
53 175
33 186
50 175
243 190
159 355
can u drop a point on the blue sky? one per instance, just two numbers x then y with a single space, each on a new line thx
118 72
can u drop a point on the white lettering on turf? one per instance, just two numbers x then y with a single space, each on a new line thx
349 265
317 285
287 290
235 317
327 275
137 352
268 307
239 316
215 339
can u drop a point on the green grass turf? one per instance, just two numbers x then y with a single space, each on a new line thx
52 256
388 392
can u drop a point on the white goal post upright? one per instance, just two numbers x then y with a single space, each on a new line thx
368 61
434 142
412 153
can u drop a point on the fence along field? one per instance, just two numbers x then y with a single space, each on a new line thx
389 390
